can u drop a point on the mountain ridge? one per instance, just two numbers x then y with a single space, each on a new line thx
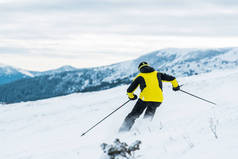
10 74
177 62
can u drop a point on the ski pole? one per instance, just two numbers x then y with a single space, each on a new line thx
105 118
197 97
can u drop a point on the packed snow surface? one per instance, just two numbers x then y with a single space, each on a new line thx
183 128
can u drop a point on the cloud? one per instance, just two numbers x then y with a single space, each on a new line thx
12 50
116 28
52 19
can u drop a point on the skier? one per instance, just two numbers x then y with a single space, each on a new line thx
151 96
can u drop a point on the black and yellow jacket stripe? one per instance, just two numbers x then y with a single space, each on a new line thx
150 82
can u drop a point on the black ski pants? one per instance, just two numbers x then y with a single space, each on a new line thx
138 109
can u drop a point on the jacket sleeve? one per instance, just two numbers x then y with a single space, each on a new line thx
168 78
133 86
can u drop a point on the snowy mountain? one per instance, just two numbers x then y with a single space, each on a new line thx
177 62
182 127
58 70
9 74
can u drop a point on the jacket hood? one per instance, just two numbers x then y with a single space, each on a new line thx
147 69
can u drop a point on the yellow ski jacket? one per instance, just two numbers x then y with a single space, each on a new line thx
150 82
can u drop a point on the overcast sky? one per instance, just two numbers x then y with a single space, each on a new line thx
42 35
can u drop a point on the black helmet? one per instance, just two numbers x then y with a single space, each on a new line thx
142 64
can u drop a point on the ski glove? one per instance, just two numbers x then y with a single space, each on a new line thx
133 98
176 88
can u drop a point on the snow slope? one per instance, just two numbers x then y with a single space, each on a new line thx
51 129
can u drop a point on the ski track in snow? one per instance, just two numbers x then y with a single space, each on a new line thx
52 128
